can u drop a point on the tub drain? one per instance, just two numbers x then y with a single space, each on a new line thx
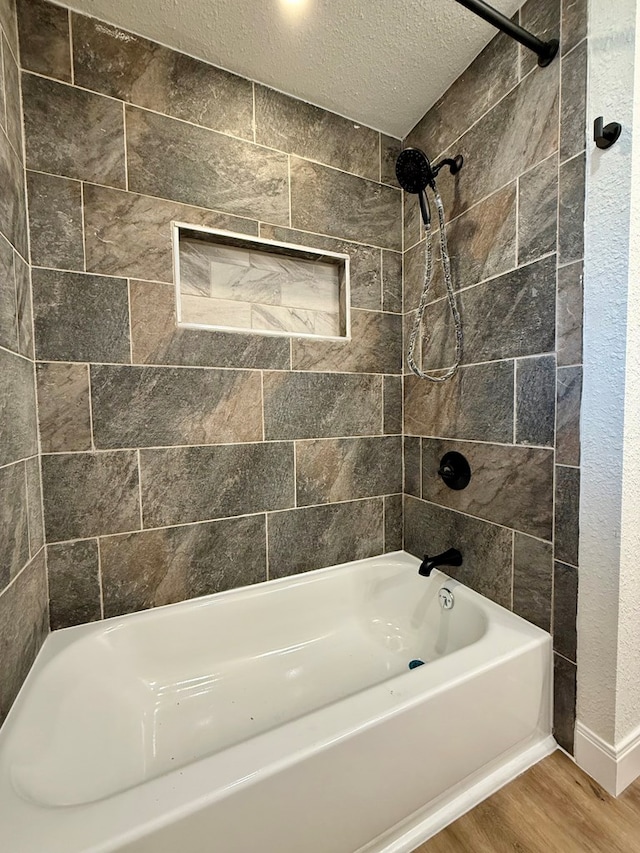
414 663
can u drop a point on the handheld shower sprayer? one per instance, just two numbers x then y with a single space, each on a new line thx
415 173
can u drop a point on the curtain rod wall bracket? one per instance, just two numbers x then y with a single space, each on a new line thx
545 50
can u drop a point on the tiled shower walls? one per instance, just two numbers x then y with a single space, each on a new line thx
515 235
23 585
180 462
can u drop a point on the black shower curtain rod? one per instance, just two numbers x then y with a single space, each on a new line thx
546 50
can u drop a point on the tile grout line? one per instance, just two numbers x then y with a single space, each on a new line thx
83 226
126 150
90 396
100 577
139 465
71 62
266 536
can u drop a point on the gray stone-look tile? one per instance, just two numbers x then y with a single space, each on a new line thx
125 66
564 702
44 39
391 281
574 23
393 532
541 17
569 314
375 347
3 117
130 235
571 210
73 133
533 580
565 609
321 405
90 494
157 340
64 407
538 211
8 303
34 500
80 317
392 387
343 205
413 466
412 231
153 406
477 403
24 624
55 220
299 128
568 417
12 99
489 77
74 583
9 24
567 514
193 165
343 469
486 548
14 522
512 486
18 426
13 205
157 567
574 103
180 485
25 308
301 540
535 400
389 150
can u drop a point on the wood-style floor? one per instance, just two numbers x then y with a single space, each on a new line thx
552 808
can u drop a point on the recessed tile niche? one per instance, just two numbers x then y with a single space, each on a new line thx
247 284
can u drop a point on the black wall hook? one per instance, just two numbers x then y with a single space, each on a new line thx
606 136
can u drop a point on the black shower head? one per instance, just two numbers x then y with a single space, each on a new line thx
413 170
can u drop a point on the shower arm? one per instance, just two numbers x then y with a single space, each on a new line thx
546 50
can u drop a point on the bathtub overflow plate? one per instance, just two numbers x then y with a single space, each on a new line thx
445 596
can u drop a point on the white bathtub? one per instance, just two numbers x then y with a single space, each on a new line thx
281 717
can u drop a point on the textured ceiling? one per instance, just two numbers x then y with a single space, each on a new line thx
380 62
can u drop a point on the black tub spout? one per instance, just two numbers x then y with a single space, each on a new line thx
452 557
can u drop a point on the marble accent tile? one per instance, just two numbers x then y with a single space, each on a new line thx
375 347
564 702
18 426
44 39
73 133
346 206
389 150
8 302
153 406
130 235
568 418
488 79
477 403
34 501
413 466
574 23
512 486
538 211
156 567
569 314
13 107
391 281
535 400
80 317
486 548
574 103
193 165
301 540
63 407
9 24
24 624
343 469
392 523
321 405
130 68
13 205
90 494
25 308
565 609
299 128
567 523
157 340
55 220
392 387
571 210
74 583
519 132
533 580
541 17
14 522
365 273
186 484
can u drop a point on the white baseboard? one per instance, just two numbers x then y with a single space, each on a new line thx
613 767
